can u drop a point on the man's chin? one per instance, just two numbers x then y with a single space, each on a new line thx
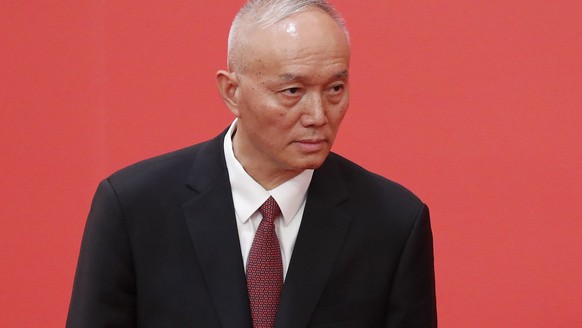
313 162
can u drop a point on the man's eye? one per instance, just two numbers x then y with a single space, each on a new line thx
337 88
291 91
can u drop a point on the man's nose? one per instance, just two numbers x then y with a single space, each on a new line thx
315 113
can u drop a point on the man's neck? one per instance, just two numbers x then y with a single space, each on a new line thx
268 179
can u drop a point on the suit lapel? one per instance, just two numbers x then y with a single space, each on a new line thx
323 229
211 222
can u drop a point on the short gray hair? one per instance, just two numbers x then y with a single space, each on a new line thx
265 13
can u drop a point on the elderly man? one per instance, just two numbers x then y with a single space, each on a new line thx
261 226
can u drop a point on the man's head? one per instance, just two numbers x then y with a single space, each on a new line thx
288 85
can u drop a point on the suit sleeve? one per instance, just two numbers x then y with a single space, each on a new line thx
412 300
104 286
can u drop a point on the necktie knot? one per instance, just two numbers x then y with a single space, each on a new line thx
270 210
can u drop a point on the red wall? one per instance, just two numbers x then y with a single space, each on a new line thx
474 105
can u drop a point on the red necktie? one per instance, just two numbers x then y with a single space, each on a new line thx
265 269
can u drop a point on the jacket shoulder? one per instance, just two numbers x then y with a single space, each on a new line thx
158 165
374 188
167 170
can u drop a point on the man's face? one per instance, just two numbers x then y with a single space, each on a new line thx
293 94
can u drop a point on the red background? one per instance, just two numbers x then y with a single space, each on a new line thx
474 105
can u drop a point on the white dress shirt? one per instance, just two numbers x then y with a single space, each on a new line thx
248 195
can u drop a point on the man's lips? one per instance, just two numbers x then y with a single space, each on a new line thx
311 145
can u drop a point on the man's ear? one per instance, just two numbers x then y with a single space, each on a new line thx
228 85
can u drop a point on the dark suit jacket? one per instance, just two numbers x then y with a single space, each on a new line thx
161 249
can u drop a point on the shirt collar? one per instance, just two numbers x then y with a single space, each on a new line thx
248 195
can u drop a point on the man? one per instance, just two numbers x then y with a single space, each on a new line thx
184 240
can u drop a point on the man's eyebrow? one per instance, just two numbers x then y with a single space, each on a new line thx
288 77
342 74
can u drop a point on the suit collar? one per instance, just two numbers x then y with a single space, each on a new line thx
208 165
